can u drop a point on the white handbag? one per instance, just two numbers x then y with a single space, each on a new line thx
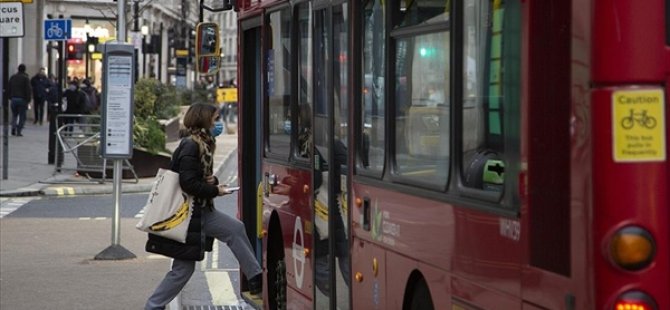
167 212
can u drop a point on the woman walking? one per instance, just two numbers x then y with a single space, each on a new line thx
193 160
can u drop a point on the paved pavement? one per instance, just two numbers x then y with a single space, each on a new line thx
29 176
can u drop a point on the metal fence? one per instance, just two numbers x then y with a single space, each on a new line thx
79 148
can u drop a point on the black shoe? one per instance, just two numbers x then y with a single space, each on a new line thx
256 284
18 134
13 131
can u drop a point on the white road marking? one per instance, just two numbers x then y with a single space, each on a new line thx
221 288
9 205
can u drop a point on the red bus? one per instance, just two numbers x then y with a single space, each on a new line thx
471 154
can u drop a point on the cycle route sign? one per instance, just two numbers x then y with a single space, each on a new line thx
638 121
57 29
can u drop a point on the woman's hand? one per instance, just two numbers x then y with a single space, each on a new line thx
223 190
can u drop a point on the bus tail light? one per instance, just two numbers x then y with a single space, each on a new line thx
632 248
634 300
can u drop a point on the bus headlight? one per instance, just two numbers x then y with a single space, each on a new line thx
632 248
634 300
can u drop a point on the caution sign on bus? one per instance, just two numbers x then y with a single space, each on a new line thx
638 125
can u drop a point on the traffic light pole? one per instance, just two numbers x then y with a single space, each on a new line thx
53 155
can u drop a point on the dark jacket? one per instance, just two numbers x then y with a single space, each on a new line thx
40 84
19 86
76 101
186 161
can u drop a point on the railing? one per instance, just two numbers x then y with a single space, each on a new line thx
79 141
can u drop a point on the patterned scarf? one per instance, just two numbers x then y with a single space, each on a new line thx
206 145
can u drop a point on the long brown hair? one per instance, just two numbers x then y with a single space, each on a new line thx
199 116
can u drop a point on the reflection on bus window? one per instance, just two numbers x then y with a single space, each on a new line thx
483 95
422 108
278 87
372 149
305 89
414 12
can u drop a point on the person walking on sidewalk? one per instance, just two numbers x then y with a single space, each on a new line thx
40 85
19 93
193 160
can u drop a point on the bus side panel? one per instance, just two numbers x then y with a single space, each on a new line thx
628 41
368 291
634 192
399 288
474 245
292 205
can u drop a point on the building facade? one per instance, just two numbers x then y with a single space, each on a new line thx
151 21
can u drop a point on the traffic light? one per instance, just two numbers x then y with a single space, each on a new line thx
191 44
75 50
91 41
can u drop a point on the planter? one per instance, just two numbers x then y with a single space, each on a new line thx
144 163
147 164
171 128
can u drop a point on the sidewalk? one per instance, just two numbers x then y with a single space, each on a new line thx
30 175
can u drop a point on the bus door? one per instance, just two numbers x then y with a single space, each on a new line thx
250 145
332 267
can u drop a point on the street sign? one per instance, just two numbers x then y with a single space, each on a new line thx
57 29
116 135
11 19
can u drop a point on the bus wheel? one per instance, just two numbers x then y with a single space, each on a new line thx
280 284
421 299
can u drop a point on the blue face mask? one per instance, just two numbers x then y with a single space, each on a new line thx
218 129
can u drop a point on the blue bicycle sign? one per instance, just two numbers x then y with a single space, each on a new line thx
57 29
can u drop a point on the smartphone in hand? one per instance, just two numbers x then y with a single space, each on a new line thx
233 188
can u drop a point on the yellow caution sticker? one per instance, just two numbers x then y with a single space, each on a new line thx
638 121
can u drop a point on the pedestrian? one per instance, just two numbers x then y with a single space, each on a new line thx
40 84
52 96
19 93
76 102
193 160
93 96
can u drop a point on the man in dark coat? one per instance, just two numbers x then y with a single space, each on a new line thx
76 102
20 93
40 84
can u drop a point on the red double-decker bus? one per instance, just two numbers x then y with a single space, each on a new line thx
469 154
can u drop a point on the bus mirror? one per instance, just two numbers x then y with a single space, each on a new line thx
207 51
208 65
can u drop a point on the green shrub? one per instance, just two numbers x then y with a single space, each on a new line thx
148 134
153 100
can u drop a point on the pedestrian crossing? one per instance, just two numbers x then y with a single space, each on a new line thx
11 204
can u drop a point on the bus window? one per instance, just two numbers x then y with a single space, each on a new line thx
483 95
305 87
278 57
422 108
373 54
414 12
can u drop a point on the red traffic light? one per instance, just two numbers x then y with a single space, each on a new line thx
75 50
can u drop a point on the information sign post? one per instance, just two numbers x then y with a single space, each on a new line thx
116 135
